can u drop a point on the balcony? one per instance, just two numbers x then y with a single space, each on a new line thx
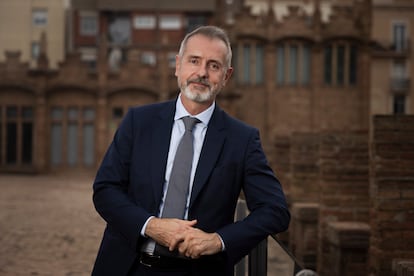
390 49
400 85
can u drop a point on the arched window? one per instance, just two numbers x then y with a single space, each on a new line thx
72 136
248 59
340 64
16 134
293 63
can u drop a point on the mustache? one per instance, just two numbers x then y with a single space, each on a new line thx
200 80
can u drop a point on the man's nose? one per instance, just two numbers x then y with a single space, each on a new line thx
202 71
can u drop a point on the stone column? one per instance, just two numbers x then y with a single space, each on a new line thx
348 244
304 233
101 128
41 150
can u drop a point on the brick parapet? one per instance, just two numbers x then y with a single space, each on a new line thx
403 267
347 245
391 191
280 161
344 176
343 183
304 232
304 167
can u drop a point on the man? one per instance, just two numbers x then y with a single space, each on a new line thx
133 184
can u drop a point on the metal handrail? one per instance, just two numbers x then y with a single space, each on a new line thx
388 45
257 259
298 265
400 84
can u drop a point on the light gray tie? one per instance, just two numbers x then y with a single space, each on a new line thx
178 186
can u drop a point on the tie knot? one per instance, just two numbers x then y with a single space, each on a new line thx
190 122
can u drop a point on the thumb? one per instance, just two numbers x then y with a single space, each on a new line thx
192 222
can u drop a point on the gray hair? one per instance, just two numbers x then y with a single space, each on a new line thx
212 32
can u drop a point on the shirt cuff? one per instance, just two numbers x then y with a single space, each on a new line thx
145 227
223 246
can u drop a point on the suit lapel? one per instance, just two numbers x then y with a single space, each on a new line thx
212 146
161 134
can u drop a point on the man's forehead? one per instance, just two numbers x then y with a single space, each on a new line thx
203 37
199 45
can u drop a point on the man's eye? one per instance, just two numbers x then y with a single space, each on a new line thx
214 66
193 61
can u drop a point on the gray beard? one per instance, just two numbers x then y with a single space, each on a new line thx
198 97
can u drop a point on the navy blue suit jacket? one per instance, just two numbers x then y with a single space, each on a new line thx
129 184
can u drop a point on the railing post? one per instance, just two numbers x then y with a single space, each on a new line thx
258 260
241 213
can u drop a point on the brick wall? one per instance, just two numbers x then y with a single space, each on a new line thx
304 155
304 196
344 189
392 192
280 160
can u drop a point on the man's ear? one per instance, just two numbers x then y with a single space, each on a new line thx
229 72
177 64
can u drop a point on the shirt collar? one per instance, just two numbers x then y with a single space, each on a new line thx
204 116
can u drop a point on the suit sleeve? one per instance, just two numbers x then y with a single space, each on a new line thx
265 200
110 189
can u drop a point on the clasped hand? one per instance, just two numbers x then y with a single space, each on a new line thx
183 236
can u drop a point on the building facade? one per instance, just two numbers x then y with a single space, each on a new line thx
298 68
25 23
138 31
392 63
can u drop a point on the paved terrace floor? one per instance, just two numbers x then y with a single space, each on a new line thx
48 226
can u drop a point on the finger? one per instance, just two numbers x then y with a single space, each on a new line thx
185 247
194 254
182 248
175 242
191 222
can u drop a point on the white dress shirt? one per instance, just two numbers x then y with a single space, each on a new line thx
199 133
